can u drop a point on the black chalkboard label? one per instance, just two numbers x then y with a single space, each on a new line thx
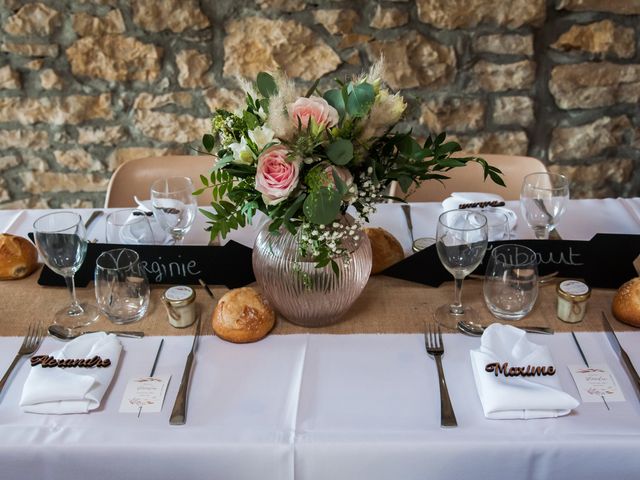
605 261
229 265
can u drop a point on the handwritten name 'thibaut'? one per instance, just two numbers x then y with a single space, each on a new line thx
568 257
528 371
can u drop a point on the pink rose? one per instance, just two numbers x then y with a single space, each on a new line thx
313 108
276 177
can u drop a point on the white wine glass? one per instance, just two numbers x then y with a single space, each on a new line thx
461 241
174 206
61 239
543 200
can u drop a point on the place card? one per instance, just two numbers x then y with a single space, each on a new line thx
595 383
146 393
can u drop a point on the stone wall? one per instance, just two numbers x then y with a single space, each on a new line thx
87 85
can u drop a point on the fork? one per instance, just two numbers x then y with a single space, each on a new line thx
30 344
435 347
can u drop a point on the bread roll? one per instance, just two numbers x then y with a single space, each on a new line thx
626 303
18 257
243 315
385 249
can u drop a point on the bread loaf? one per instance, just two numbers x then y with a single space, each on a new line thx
626 303
385 249
243 315
18 257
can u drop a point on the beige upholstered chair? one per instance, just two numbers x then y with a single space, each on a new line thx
136 176
470 179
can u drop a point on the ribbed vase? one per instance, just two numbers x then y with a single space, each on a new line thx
303 294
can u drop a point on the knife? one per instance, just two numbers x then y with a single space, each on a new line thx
93 216
179 412
615 344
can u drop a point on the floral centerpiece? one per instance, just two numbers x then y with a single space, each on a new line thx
303 160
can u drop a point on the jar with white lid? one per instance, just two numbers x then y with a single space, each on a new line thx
572 300
180 303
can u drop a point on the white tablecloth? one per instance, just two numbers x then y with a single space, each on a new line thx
324 406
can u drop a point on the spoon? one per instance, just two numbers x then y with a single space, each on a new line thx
476 330
62 333
542 280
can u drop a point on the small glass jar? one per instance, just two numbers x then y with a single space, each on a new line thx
572 300
180 303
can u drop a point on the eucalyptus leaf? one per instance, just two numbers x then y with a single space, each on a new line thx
224 161
335 99
208 142
322 206
340 152
360 98
266 84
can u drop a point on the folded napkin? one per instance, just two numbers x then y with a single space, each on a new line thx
516 397
460 198
55 390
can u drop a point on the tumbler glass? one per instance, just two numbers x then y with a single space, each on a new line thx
129 226
122 288
511 281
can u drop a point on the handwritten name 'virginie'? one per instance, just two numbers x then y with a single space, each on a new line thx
162 271
528 371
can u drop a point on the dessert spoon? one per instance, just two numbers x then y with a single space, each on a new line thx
476 330
62 333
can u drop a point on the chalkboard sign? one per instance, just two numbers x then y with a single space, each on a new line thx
605 261
229 265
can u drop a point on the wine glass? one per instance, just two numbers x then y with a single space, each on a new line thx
61 239
129 226
511 281
174 205
543 200
461 241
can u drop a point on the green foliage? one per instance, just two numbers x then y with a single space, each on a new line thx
322 206
208 142
266 84
360 98
340 152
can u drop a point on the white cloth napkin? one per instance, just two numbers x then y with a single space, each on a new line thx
458 198
56 390
517 397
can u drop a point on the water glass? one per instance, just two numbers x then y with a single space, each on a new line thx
122 288
129 226
174 205
543 200
61 239
497 224
461 241
511 281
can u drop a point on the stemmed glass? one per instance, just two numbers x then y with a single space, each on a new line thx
61 239
174 205
461 241
543 200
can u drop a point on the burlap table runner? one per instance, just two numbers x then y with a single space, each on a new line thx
387 305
